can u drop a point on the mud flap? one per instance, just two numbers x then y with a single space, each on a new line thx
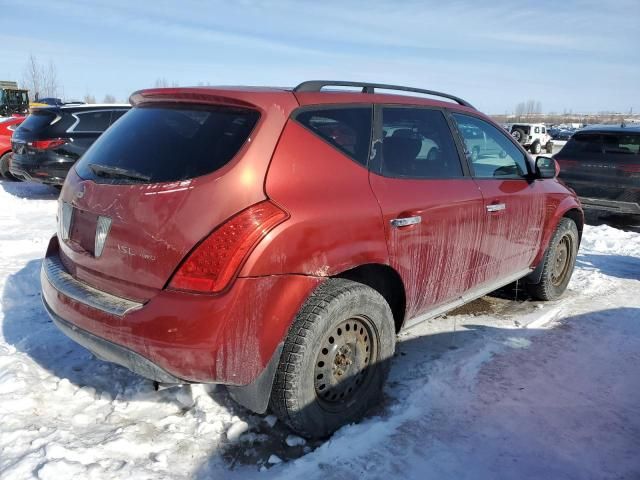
255 396
535 276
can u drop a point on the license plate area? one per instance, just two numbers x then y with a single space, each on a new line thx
83 230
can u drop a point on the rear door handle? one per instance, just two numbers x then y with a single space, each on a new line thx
496 207
406 221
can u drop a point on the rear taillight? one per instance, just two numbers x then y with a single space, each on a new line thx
212 265
632 168
47 144
568 164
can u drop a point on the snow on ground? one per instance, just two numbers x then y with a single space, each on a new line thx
503 388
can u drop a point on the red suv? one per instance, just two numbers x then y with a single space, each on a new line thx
276 240
7 127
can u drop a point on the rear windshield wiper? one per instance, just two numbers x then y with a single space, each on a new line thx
106 171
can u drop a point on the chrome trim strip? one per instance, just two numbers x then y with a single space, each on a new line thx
466 297
54 272
406 221
496 207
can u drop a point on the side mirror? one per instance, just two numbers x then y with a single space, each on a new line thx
546 167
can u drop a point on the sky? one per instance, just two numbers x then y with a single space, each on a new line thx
579 56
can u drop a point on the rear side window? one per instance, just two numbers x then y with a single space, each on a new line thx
346 128
417 143
92 122
166 144
583 143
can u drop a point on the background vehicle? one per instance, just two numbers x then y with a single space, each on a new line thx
51 101
532 136
51 139
275 240
7 127
603 166
13 99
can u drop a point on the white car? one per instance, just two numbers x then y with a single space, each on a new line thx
532 136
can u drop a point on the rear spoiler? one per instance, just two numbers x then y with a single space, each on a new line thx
206 96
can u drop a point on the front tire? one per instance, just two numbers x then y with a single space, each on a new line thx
559 262
335 359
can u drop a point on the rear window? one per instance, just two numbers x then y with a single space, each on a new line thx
167 144
346 128
37 121
583 143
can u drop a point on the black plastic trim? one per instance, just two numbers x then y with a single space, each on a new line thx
111 352
255 396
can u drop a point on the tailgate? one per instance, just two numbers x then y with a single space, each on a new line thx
155 185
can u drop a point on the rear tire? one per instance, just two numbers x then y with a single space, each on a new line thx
549 147
335 359
4 166
559 262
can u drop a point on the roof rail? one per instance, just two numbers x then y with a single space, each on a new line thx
317 85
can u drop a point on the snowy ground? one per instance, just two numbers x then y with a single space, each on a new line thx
504 388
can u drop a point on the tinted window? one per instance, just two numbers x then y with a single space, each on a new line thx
346 128
418 143
492 153
583 143
621 144
116 114
166 144
37 121
97 121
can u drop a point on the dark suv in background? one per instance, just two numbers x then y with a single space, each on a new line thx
52 139
602 164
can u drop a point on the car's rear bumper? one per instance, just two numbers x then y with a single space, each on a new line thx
614 206
178 337
40 168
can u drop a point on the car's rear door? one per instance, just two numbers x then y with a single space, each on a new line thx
514 206
433 212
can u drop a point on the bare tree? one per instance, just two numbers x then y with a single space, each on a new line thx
108 98
50 80
161 82
524 111
40 80
88 98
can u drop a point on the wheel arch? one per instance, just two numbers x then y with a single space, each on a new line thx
386 281
569 208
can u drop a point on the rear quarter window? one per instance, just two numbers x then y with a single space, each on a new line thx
167 143
346 128
92 122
